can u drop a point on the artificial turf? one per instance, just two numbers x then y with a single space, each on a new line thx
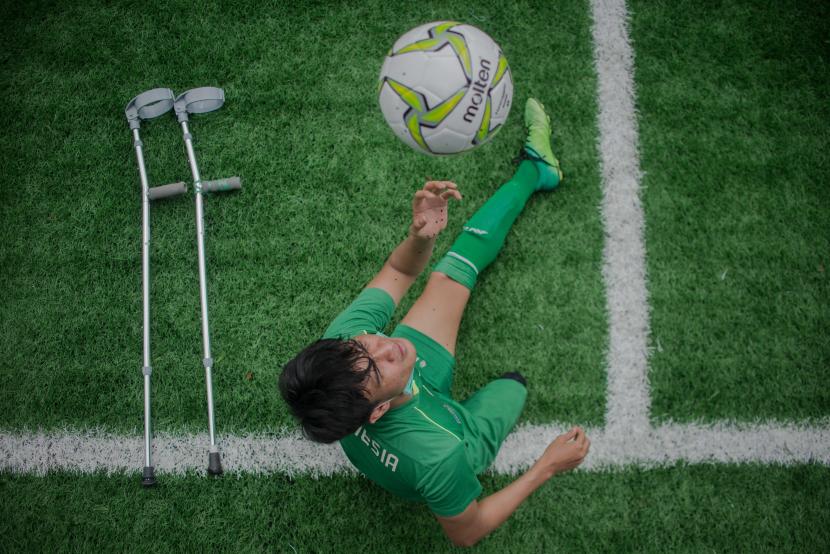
326 198
704 508
734 111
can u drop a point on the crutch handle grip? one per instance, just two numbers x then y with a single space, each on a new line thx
166 191
221 185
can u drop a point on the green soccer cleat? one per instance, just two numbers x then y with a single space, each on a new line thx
537 145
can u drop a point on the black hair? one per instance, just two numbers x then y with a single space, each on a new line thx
325 388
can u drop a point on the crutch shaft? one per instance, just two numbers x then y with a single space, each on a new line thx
208 363
148 462
147 105
200 246
145 285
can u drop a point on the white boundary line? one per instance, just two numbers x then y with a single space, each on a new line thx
624 270
87 452
627 439
628 436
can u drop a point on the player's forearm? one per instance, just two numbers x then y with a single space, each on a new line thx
496 508
412 255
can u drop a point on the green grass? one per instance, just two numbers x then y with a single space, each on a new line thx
327 190
680 509
734 110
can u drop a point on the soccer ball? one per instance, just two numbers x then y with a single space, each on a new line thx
445 88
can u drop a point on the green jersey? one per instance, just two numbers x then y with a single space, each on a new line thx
431 448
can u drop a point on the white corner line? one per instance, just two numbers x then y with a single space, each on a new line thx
624 268
666 445
40 453
627 440
628 436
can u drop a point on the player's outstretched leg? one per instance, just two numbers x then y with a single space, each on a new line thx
483 235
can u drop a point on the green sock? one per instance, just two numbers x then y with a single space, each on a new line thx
483 235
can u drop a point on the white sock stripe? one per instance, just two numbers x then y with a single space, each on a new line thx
475 231
463 259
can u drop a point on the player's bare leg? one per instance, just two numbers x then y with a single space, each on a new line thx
438 312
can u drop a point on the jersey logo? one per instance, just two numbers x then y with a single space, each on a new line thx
387 459
453 413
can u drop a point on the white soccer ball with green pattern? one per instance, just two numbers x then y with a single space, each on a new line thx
445 88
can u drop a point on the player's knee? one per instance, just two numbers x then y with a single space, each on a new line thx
457 269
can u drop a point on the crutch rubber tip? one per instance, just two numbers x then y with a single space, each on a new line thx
214 464
149 478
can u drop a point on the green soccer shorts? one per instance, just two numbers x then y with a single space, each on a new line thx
495 408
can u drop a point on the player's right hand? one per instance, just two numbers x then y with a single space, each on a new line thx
566 452
429 208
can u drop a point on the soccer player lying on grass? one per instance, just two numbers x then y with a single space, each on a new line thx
387 398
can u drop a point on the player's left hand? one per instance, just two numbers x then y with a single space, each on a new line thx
429 208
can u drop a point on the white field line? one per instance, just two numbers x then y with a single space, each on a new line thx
668 444
628 438
178 454
624 270
40 453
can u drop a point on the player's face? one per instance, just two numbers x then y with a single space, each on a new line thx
395 359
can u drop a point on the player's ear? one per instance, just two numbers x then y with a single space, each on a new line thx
379 410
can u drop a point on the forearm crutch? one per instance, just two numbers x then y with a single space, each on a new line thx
194 101
148 105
